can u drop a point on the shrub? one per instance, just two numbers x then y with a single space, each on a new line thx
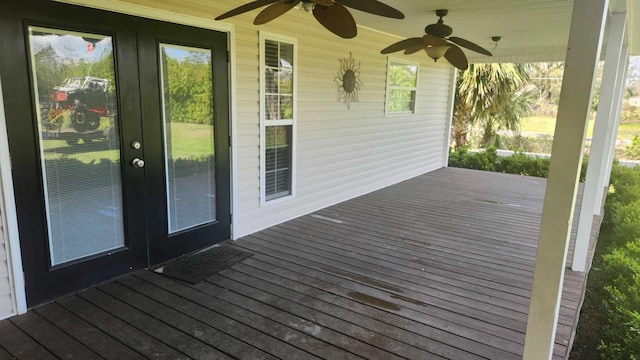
624 190
518 163
523 164
482 160
609 326
630 115
633 150
621 334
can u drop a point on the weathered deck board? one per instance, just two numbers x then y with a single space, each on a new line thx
279 331
218 321
144 344
60 344
437 267
87 334
20 345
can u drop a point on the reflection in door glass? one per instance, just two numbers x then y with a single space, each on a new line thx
73 79
187 84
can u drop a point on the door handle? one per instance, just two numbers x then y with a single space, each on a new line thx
139 163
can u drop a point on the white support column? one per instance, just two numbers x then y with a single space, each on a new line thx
452 102
583 52
602 132
624 60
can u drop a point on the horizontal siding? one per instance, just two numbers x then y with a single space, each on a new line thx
341 153
6 302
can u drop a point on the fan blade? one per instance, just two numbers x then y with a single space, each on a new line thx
469 45
336 19
402 45
415 48
246 7
324 2
274 11
456 57
373 7
434 40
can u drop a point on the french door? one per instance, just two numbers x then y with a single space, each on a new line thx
118 133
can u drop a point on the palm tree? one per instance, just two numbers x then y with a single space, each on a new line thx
509 117
494 96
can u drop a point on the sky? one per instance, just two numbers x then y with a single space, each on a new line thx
71 46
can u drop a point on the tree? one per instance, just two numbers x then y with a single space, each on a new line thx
48 71
521 104
494 96
187 80
547 78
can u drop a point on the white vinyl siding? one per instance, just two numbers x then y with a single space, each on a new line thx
402 87
340 153
8 305
6 301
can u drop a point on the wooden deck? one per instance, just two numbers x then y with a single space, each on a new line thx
437 267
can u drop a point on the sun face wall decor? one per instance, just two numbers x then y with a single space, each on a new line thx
348 80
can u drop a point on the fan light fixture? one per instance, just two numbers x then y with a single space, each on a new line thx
438 43
436 52
308 6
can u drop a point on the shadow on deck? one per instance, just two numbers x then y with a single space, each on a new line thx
439 266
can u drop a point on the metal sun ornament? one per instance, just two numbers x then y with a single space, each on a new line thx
348 80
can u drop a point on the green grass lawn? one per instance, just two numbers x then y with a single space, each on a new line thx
546 125
189 141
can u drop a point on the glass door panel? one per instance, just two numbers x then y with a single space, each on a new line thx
186 80
75 102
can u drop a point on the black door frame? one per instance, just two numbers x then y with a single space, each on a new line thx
44 282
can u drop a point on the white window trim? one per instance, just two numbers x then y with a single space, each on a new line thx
389 88
264 122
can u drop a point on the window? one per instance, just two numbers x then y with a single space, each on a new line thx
277 117
402 85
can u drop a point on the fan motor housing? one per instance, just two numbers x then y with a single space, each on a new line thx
439 30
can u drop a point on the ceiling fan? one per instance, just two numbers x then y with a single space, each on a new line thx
438 42
332 14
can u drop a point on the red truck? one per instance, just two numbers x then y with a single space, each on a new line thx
87 100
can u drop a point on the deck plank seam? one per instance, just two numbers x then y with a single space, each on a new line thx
32 339
446 305
173 325
195 289
204 323
389 348
391 313
218 287
402 256
68 334
134 325
443 288
444 308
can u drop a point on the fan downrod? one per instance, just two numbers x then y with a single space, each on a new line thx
440 29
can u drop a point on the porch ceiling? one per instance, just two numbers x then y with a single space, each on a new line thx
531 30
